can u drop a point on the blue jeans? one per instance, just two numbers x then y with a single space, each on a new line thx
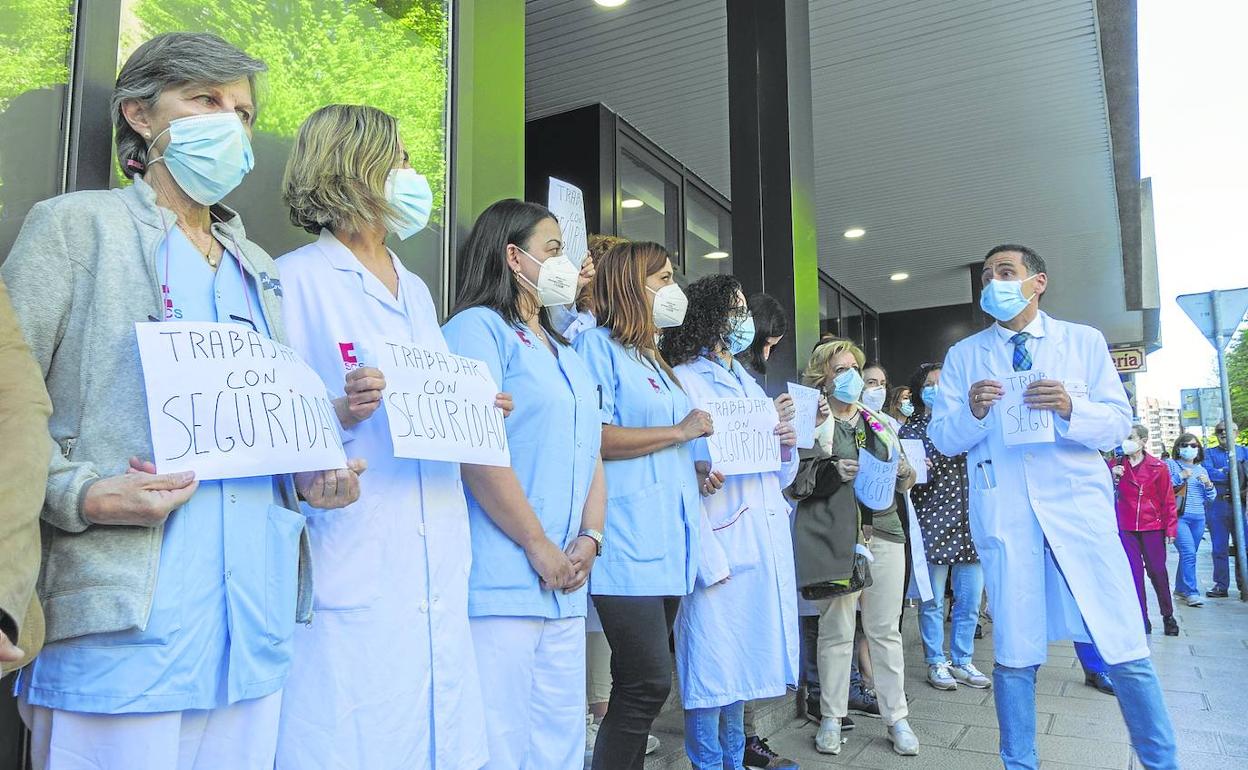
1139 698
1090 658
1221 521
968 589
1187 540
715 737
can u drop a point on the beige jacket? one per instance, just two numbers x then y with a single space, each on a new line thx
24 412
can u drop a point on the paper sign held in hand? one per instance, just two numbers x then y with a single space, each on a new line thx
916 453
1020 424
807 402
876 481
567 203
227 402
440 406
745 439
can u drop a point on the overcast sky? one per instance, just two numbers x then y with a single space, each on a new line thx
1194 144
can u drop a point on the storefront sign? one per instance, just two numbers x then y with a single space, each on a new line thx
1129 360
226 402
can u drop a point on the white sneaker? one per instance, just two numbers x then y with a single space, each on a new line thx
591 737
938 676
970 676
828 740
1194 600
904 741
652 744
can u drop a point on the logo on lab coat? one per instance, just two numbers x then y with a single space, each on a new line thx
347 350
524 338
171 312
654 385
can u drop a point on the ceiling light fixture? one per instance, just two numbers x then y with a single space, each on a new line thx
716 255
610 3
898 276
855 232
631 203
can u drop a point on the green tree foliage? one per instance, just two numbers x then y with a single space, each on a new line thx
388 54
1237 373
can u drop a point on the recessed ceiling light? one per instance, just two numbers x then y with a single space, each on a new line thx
855 232
898 276
631 203
610 3
716 255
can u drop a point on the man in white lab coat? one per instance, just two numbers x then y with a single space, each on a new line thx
1032 400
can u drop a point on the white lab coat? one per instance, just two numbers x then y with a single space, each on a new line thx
738 640
385 676
1057 493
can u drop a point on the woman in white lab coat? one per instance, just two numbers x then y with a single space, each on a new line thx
385 676
723 662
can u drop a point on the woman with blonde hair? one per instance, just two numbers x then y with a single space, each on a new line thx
385 676
653 538
851 553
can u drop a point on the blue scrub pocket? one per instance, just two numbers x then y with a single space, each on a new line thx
637 525
281 572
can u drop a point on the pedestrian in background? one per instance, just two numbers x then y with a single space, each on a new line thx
1221 517
900 404
1147 521
1193 492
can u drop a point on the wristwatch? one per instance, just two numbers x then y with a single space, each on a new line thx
594 535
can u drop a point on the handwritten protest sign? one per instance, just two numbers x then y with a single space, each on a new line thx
440 406
1020 424
807 402
916 453
567 203
744 440
227 402
876 481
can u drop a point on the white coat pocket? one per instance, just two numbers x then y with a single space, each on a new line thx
738 536
347 554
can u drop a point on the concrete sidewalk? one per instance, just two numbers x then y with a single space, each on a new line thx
1204 672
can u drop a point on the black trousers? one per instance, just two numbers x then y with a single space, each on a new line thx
637 629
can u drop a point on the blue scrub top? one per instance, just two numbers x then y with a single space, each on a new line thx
223 610
651 545
554 435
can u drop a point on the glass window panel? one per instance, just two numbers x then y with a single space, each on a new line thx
829 309
389 54
851 322
648 205
708 236
35 38
872 337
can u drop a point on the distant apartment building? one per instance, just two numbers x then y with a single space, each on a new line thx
1162 420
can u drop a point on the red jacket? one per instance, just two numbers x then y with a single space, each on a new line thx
1144 497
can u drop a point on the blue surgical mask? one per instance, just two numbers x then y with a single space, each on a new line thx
906 408
207 155
929 395
410 199
1188 453
847 386
1004 300
741 336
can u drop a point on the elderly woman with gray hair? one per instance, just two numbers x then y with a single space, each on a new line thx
170 601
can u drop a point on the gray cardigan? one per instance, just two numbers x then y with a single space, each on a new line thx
83 270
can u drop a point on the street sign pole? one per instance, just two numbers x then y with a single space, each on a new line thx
1237 511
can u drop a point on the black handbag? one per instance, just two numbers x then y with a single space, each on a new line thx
859 578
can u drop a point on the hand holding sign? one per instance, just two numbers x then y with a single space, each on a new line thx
363 390
917 454
331 489
744 438
806 402
1048 395
567 203
139 497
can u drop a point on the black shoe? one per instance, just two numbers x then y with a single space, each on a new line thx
847 724
814 711
1100 682
979 630
1217 593
760 756
1148 626
862 701
1172 625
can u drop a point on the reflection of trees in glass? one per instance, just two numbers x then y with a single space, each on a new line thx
34 52
390 54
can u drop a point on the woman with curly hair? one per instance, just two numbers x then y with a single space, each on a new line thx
722 664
